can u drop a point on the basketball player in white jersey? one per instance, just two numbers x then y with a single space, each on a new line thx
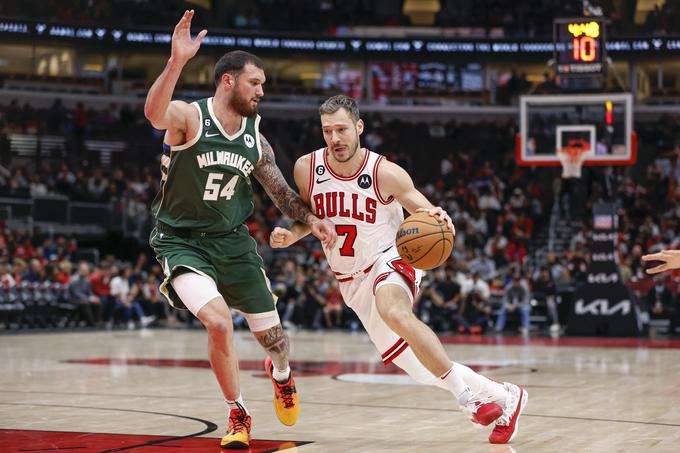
364 196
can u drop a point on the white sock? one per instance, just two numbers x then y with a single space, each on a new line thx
281 376
481 384
237 404
456 385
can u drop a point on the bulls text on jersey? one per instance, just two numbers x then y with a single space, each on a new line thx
343 204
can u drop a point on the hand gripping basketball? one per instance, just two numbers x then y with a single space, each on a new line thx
424 241
441 215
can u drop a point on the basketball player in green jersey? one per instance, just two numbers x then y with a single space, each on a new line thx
211 148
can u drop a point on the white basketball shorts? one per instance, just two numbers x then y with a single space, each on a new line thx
359 294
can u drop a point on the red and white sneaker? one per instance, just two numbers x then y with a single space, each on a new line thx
483 412
507 425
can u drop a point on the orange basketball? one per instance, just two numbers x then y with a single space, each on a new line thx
423 241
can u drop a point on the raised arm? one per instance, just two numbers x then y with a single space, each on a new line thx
289 202
158 109
395 182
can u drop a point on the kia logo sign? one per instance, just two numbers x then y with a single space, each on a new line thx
603 257
603 278
600 307
604 236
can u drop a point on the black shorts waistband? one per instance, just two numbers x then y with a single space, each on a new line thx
189 233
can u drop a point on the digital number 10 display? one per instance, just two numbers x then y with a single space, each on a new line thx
579 46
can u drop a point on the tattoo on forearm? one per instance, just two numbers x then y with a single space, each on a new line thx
269 175
274 340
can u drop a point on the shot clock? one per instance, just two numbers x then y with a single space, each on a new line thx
579 46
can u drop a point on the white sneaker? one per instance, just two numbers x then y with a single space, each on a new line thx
146 320
507 424
130 325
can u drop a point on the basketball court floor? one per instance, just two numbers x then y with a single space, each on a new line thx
153 391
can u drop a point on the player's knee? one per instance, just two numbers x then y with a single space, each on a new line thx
218 324
395 316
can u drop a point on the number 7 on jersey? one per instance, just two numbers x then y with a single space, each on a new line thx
350 233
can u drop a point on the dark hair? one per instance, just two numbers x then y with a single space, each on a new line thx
233 62
340 101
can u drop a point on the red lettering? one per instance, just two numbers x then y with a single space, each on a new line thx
355 212
318 205
344 212
371 205
327 205
331 204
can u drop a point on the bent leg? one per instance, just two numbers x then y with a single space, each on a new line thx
394 307
199 294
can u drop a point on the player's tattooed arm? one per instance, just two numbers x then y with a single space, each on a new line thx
269 175
289 202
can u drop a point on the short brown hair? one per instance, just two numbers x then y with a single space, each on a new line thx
233 62
340 101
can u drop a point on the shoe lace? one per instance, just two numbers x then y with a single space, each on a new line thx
473 403
287 392
238 421
509 409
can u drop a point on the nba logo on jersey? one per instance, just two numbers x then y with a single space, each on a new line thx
249 140
365 181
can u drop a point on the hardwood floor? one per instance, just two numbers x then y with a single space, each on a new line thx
153 391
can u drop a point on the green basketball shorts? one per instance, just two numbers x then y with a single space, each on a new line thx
231 261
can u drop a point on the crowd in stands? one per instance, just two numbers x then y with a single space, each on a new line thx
532 19
494 280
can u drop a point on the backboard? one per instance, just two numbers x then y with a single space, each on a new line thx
604 121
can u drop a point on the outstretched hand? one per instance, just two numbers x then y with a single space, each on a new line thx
441 215
325 232
670 258
183 47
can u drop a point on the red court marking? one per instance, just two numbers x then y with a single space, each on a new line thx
302 368
15 441
570 342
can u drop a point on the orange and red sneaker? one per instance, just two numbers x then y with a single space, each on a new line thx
238 431
286 401
507 424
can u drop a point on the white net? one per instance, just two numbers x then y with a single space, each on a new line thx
572 159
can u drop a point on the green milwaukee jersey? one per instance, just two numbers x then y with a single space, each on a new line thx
205 182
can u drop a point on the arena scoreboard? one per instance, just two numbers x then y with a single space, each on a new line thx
579 46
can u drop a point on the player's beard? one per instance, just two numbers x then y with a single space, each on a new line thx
352 147
241 105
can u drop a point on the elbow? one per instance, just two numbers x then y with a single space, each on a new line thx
151 115
154 116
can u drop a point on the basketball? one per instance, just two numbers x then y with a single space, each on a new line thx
423 241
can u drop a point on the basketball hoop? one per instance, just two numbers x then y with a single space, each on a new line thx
573 156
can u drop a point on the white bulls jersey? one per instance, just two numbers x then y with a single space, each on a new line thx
365 222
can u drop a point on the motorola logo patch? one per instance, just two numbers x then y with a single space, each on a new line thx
249 140
365 181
